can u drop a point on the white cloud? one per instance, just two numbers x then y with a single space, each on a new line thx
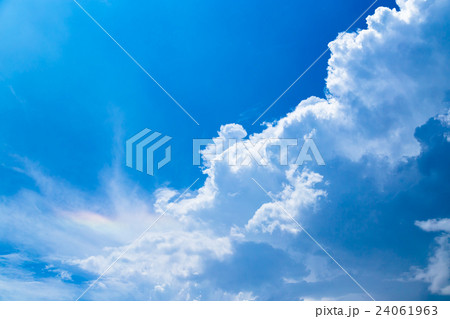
298 194
382 83
65 226
435 225
437 273
234 131
19 284
392 76
163 259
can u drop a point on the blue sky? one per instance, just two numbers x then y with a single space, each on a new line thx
376 105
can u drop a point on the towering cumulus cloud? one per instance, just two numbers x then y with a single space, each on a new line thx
230 240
